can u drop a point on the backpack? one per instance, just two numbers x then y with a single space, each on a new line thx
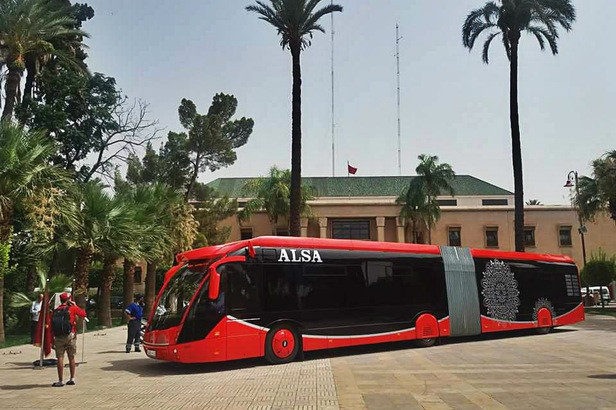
61 322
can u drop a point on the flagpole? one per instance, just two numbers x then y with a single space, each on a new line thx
348 179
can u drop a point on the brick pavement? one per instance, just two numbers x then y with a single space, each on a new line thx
570 368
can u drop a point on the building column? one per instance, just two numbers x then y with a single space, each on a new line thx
380 228
400 229
304 227
322 227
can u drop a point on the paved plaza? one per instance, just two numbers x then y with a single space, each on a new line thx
573 367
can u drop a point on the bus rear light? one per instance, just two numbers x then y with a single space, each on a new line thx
216 333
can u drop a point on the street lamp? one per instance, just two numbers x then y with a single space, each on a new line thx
572 180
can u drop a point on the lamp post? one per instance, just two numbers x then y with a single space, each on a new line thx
572 180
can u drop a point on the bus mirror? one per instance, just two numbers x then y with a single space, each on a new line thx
214 289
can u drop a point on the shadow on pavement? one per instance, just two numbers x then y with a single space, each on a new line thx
24 386
146 367
603 376
150 368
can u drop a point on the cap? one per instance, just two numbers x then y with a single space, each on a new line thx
64 297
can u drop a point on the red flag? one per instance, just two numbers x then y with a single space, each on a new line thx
351 170
38 335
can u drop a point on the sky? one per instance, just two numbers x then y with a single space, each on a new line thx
452 104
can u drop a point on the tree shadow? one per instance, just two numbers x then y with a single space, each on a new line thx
603 376
24 386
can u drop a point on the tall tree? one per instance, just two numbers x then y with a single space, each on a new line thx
509 19
33 27
213 137
209 210
295 21
436 179
598 193
417 209
272 194
26 179
90 119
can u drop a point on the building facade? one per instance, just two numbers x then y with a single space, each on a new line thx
480 215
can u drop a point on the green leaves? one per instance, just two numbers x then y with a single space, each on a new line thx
294 20
598 194
510 18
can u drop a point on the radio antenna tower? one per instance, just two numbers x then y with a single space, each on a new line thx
398 38
333 123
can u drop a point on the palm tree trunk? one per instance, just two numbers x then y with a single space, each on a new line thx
150 287
516 147
82 271
31 67
129 284
5 246
30 278
12 84
296 144
104 301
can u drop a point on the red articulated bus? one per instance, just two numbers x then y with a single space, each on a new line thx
278 297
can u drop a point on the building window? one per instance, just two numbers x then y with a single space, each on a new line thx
529 236
351 229
492 237
486 202
282 232
455 236
447 202
246 233
564 236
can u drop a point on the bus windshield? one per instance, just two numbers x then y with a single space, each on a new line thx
176 296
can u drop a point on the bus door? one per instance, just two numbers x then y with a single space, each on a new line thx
244 335
462 291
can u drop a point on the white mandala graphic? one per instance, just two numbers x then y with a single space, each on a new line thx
543 303
500 291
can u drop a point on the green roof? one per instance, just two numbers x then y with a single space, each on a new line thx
463 185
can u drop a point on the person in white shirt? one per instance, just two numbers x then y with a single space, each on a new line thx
35 312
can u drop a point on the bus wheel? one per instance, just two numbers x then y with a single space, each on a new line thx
543 330
282 344
425 342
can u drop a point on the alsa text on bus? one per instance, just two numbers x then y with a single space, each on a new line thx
296 255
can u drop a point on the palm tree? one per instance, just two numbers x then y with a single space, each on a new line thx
509 19
598 194
272 194
31 27
418 210
533 202
295 21
25 175
435 179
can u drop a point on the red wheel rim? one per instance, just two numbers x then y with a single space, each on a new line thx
283 343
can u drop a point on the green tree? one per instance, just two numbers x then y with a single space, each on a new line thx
600 270
295 21
213 137
533 202
435 178
272 194
597 194
418 210
210 210
509 19
27 184
90 119
32 27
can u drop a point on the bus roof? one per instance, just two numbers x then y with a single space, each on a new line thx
346 244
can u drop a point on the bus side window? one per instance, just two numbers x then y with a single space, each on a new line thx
380 284
244 287
357 294
280 286
322 287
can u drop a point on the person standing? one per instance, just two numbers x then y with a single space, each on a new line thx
134 311
35 312
64 329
